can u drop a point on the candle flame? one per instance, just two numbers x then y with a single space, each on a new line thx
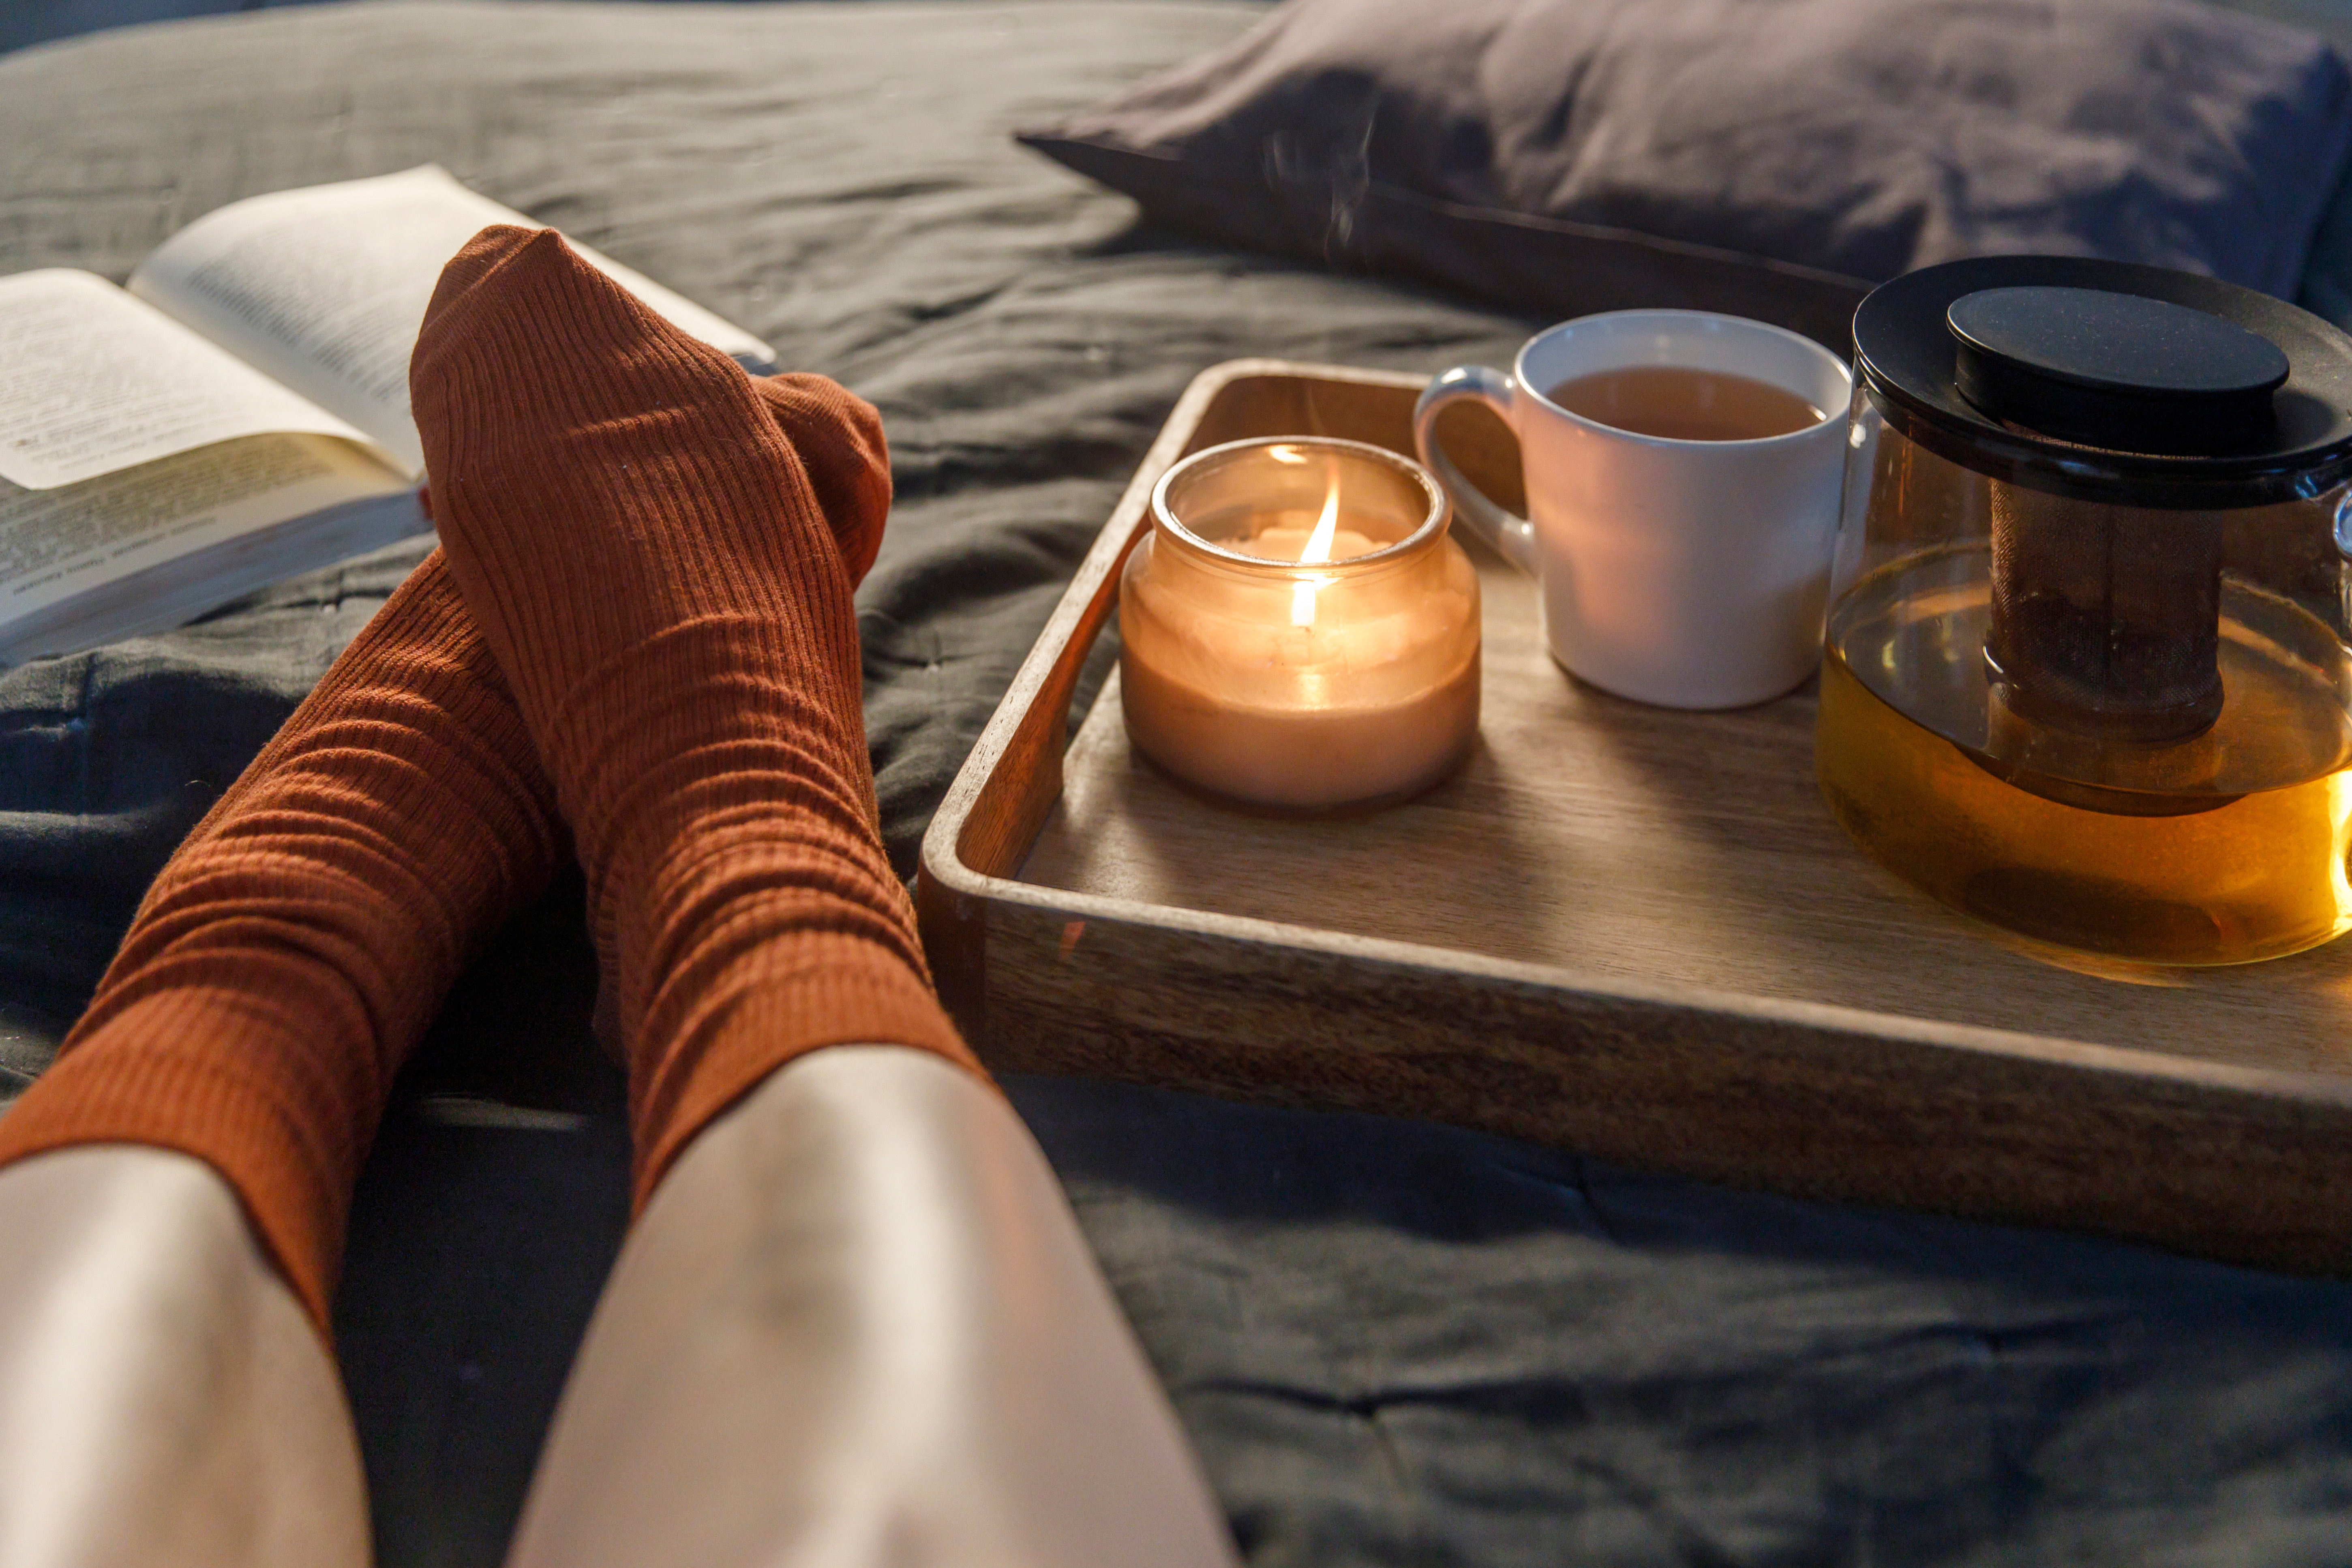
1318 548
1319 543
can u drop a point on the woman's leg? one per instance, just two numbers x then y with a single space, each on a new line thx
294 947
164 1398
165 1388
857 1326
643 540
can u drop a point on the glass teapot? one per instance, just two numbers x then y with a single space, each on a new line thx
2086 674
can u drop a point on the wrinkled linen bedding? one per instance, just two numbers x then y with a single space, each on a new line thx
1391 1343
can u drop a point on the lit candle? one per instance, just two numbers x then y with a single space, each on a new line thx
1297 632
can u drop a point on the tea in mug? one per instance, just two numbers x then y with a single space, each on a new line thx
1680 403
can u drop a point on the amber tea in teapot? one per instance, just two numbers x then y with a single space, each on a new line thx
2086 674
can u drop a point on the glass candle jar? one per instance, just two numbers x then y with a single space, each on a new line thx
1297 632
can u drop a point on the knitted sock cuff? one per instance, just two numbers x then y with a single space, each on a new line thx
846 992
154 1074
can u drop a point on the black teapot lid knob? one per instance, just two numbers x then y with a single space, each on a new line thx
2121 372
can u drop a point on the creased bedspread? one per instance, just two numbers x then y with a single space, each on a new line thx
1393 1343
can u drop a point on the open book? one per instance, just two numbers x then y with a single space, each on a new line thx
240 414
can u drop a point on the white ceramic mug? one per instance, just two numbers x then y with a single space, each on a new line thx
1687 573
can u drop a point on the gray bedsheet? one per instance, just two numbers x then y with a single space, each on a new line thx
1393 1343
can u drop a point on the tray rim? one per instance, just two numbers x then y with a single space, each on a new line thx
959 836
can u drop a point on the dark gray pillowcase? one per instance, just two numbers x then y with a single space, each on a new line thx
1768 157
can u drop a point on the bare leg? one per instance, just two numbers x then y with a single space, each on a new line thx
857 1325
163 1397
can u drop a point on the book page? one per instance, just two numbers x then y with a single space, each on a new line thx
325 289
92 380
60 542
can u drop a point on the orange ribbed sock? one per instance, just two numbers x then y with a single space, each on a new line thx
292 951
663 575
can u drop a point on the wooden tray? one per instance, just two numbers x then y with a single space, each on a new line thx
1627 930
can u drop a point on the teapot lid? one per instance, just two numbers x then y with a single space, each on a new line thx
2109 381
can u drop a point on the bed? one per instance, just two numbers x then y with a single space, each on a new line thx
1391 1343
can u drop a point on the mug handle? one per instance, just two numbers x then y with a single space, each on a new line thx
1511 536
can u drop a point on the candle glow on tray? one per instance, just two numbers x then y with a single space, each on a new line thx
1297 632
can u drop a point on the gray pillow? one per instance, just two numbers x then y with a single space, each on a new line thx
1768 157
2327 281
2327 274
